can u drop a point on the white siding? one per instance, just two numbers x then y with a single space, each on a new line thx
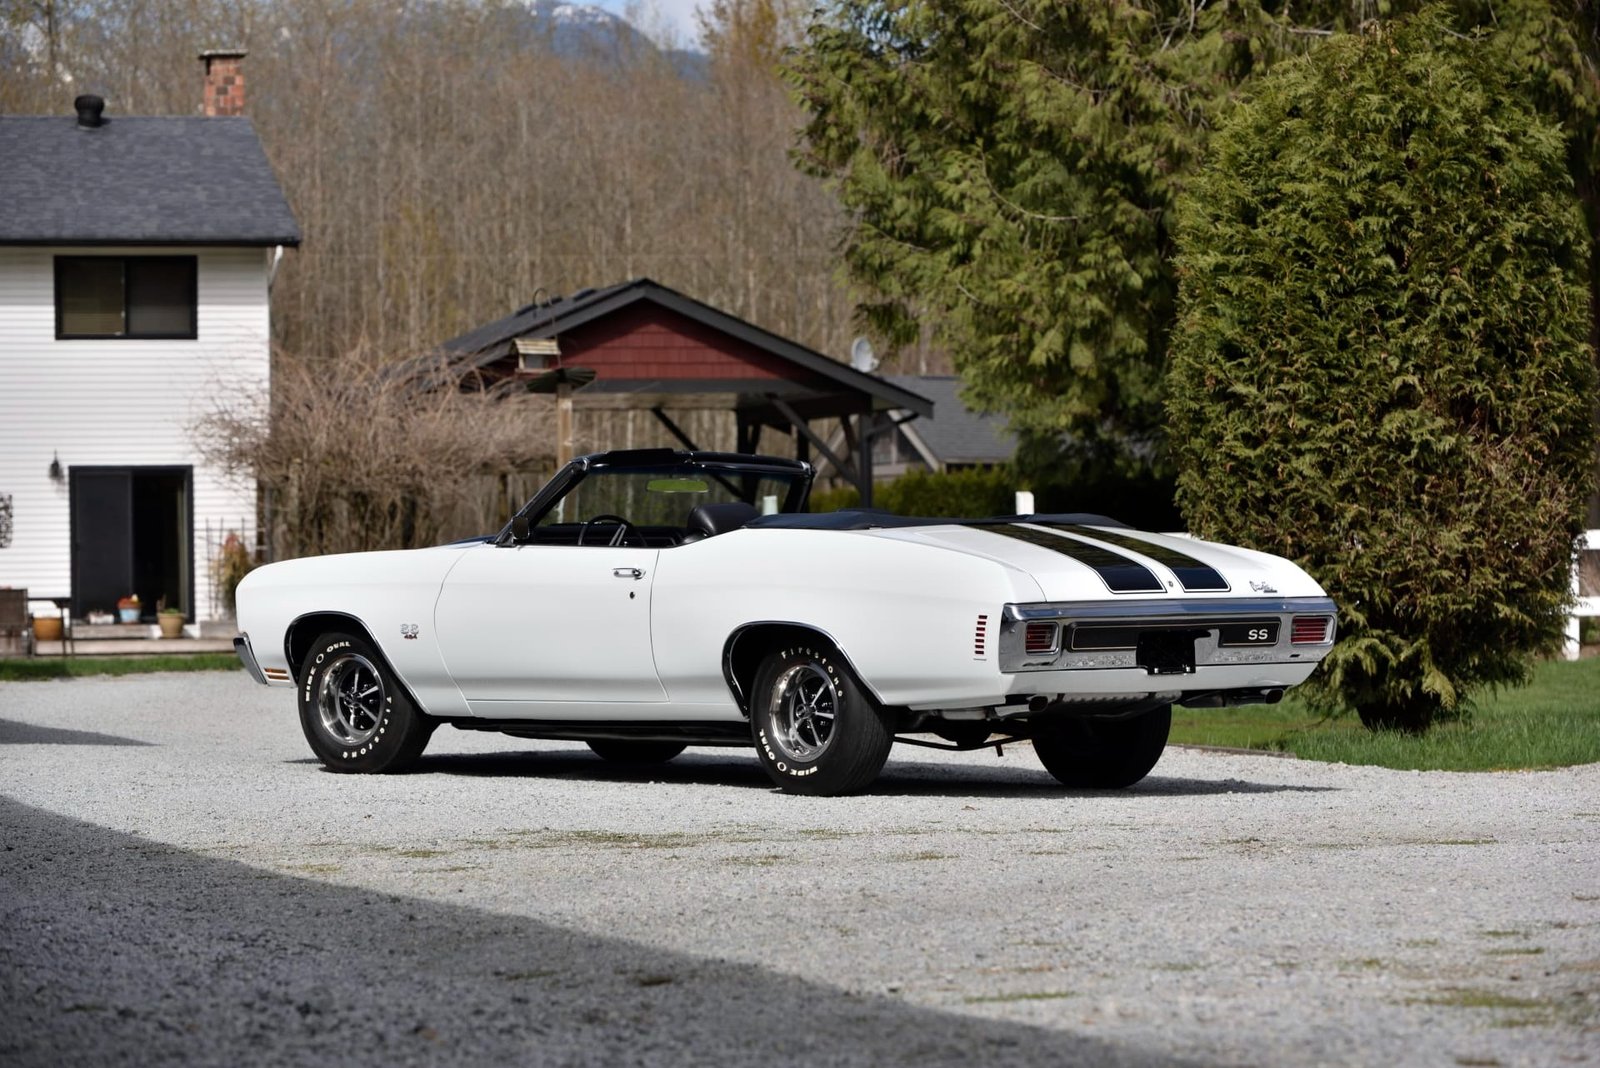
120 403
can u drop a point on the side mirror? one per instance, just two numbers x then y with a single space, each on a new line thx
521 529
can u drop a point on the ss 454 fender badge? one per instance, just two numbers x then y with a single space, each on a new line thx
408 631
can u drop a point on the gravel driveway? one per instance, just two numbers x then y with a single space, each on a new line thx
181 882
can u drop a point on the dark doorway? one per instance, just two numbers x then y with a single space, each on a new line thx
132 533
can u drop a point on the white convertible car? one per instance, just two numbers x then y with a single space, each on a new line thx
645 601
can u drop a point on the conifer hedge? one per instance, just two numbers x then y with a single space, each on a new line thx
1381 367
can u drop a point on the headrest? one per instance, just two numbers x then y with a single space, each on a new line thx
710 520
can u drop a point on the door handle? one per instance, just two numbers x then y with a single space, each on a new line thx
627 573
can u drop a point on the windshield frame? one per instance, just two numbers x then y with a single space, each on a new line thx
667 463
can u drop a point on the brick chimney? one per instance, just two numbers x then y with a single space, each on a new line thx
224 91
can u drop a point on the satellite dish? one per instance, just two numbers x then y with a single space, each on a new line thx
862 358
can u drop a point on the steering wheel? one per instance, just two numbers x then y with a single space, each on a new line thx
620 536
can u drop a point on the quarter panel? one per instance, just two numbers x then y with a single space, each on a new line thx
904 612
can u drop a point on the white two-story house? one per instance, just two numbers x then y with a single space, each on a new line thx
136 258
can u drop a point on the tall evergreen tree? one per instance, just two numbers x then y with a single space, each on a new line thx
1010 168
1381 365
1007 165
1011 165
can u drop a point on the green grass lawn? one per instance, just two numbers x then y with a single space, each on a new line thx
1554 722
56 667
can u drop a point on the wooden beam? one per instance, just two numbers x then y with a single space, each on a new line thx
864 457
884 422
810 435
563 425
590 400
675 430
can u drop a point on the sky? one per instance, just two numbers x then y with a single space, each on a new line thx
657 18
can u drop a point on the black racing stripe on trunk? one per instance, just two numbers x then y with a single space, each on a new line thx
1196 577
1119 573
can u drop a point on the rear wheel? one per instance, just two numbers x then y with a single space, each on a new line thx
354 712
1103 754
629 752
816 730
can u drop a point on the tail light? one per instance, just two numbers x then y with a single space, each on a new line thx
1041 639
1310 630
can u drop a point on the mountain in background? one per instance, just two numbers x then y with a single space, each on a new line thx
583 31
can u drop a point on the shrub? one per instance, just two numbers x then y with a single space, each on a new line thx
1116 478
231 564
1064 477
1381 369
357 457
973 491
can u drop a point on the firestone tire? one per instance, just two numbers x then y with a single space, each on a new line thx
816 730
617 751
355 714
1103 754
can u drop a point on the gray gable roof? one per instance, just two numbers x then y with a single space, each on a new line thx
956 434
138 181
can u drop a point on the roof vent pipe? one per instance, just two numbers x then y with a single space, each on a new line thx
89 108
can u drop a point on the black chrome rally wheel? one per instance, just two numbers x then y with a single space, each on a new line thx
354 712
816 730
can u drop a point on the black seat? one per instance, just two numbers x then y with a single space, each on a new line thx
709 520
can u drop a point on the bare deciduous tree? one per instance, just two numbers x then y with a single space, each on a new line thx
352 457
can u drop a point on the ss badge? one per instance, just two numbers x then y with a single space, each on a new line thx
408 631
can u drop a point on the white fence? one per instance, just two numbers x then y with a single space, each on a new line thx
1585 589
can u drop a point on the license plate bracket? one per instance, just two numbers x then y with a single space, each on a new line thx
1167 652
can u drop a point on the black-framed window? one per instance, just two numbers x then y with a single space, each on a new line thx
126 297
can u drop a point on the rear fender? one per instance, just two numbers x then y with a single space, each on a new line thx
745 648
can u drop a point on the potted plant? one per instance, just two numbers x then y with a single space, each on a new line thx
47 626
128 608
171 620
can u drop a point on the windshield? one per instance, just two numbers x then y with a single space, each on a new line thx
666 496
662 505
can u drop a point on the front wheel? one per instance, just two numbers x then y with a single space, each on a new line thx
1103 754
816 730
354 712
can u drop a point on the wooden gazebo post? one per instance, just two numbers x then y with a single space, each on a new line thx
539 360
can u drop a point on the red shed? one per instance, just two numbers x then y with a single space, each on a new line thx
642 346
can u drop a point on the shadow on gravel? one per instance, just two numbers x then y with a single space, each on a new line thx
114 949
1154 786
900 778
14 733
1157 785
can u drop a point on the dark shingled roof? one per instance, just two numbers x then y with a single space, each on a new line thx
957 435
138 181
538 319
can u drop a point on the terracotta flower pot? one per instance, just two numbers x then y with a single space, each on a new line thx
171 625
47 629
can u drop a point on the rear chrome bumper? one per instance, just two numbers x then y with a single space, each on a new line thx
247 656
1200 618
